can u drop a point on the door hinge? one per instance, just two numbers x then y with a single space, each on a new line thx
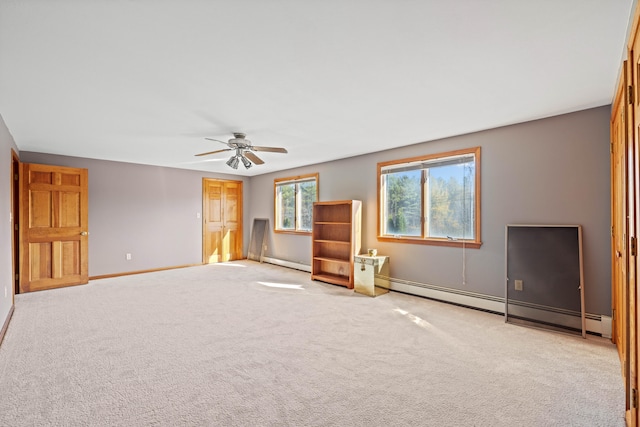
630 94
611 147
634 248
634 397
17 277
612 231
15 177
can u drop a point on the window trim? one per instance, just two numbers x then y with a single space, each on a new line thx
434 241
292 180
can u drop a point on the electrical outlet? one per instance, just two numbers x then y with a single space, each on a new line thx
198 215
128 256
519 285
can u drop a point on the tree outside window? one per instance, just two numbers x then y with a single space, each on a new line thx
294 198
432 199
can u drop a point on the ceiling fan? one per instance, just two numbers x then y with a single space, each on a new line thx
244 151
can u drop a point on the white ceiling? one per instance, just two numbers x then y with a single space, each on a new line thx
145 81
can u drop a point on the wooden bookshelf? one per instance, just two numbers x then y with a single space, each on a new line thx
336 238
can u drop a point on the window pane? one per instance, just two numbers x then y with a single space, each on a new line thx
286 203
307 195
450 204
402 203
432 199
294 198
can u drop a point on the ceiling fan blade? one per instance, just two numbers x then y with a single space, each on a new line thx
255 159
213 152
216 140
269 149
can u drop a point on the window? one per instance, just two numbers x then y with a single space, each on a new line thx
434 199
294 199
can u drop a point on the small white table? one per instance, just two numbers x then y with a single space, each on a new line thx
371 275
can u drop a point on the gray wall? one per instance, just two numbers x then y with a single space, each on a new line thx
6 282
549 171
147 211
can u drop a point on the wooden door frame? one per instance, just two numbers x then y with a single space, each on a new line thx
204 209
15 219
633 322
633 205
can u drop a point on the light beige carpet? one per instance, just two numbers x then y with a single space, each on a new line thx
249 344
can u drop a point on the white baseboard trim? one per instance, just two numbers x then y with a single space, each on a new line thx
595 323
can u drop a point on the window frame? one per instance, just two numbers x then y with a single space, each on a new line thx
293 180
474 243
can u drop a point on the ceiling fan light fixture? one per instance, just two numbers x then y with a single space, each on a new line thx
246 162
244 151
233 162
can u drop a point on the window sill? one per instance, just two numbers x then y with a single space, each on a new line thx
432 242
303 233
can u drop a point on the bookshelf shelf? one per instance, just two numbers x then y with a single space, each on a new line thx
336 240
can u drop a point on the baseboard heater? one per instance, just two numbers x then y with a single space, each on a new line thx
596 323
288 264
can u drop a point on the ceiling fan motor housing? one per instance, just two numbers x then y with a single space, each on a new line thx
243 151
239 140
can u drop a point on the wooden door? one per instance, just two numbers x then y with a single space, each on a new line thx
619 226
53 227
633 183
222 228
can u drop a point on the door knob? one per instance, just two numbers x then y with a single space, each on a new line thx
84 233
